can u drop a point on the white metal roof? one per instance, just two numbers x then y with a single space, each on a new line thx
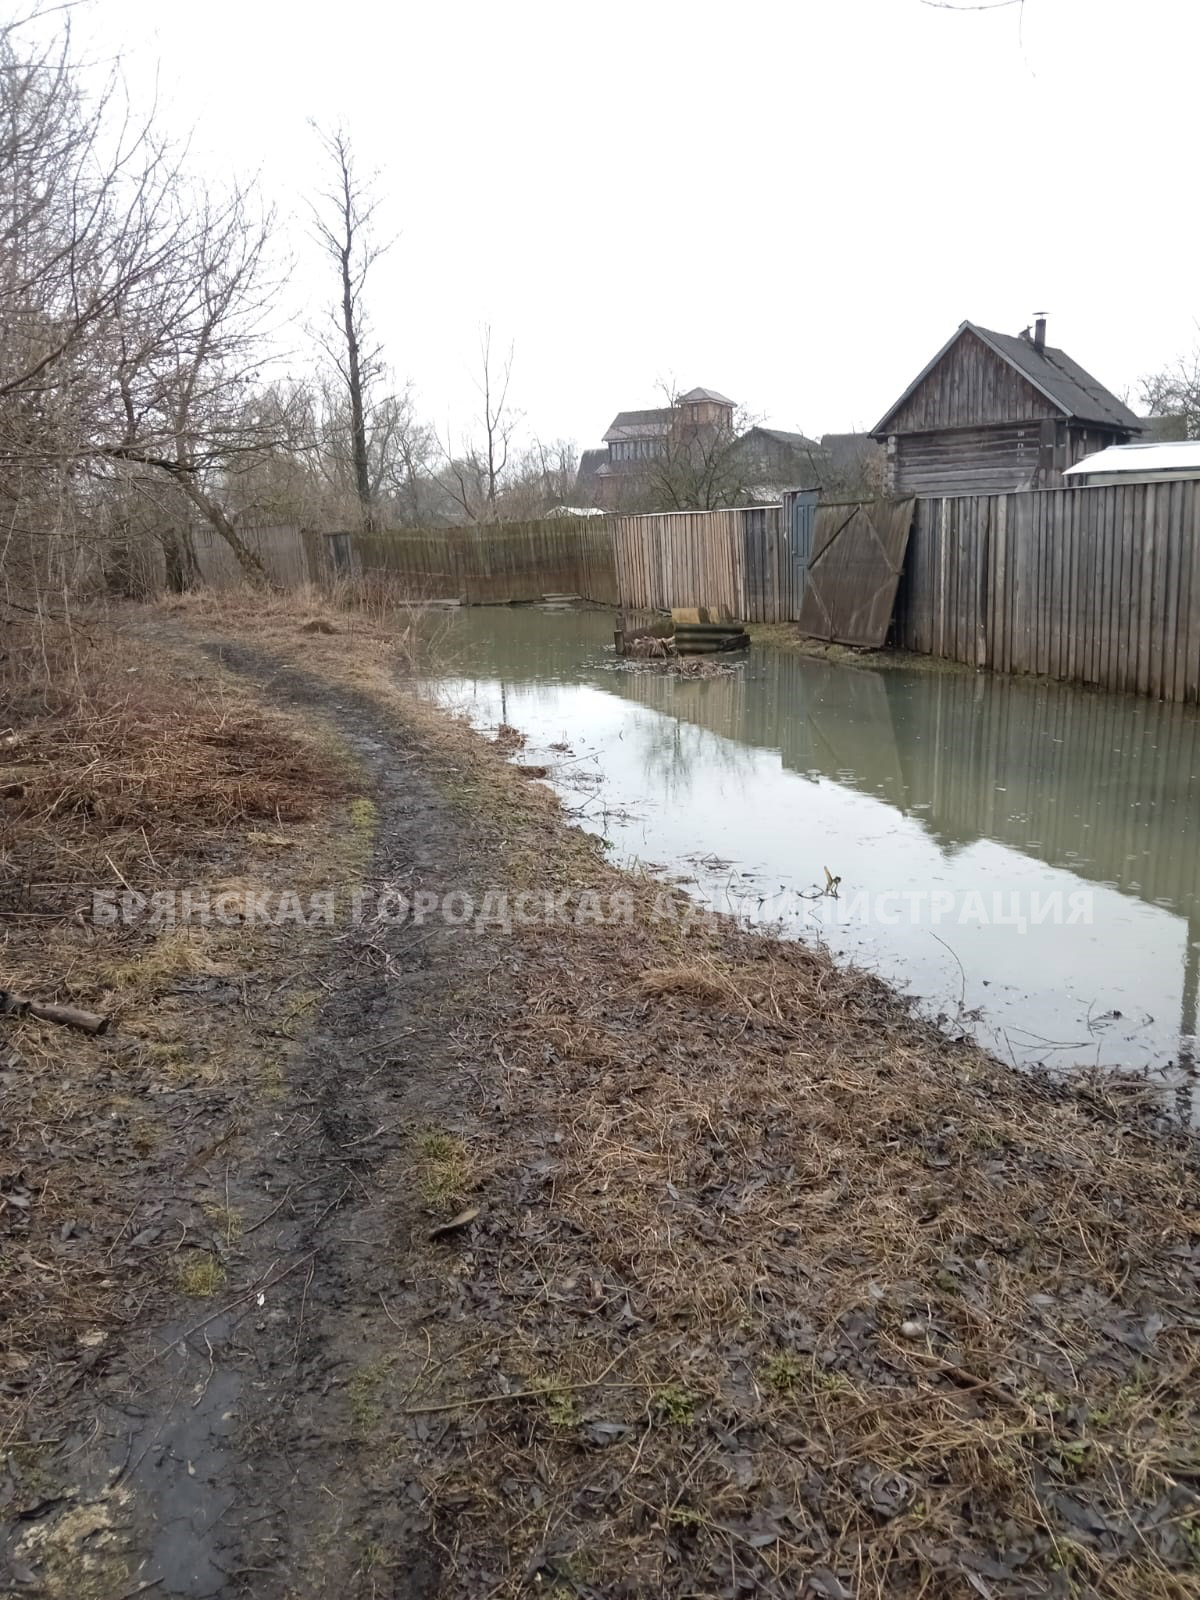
1181 456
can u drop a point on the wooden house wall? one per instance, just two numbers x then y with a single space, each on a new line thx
965 460
992 460
974 425
969 387
1080 441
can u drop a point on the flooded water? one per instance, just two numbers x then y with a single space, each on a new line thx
1016 855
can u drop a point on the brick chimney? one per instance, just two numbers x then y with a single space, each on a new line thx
1039 332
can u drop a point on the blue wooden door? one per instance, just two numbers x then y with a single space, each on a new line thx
799 512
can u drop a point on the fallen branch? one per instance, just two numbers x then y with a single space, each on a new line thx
69 1016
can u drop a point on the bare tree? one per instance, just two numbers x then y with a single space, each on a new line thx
129 309
1175 392
541 478
698 467
343 219
307 474
474 475
188 348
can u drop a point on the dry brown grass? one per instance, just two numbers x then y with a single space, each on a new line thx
366 619
826 1292
778 1291
700 983
133 767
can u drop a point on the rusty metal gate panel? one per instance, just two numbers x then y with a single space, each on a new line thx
857 557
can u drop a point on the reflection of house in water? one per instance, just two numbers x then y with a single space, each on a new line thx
1104 786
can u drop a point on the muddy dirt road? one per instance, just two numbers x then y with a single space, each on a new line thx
602 1256
231 1451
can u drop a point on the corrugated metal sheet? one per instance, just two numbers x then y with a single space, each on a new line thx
857 557
1139 460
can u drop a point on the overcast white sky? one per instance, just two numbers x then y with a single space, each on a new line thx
795 203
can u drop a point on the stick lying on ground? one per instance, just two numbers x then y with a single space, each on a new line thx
16 1005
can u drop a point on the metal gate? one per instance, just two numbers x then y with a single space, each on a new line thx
799 514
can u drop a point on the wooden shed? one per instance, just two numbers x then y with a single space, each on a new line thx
993 412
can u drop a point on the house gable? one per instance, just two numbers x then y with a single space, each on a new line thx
967 384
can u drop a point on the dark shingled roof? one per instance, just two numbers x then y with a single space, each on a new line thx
848 450
705 394
1063 381
640 424
798 441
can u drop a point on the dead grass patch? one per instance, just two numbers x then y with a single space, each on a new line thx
694 982
201 1276
168 955
777 1290
370 617
445 1168
137 768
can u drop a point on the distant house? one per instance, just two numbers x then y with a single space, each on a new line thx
1169 428
772 458
587 492
761 460
854 466
616 474
995 411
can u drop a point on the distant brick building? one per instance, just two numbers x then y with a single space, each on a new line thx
616 475
639 444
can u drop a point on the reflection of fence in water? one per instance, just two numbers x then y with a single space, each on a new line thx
1103 786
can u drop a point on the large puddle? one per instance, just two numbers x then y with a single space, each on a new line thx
1016 855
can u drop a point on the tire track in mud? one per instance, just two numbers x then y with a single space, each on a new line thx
225 1459
308 1517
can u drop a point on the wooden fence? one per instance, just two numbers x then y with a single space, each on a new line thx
291 557
491 564
769 570
741 560
495 564
1097 586
679 558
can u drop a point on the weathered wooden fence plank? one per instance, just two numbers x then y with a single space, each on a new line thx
1097 585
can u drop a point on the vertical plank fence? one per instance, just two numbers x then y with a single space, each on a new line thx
680 558
751 561
493 564
1097 586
